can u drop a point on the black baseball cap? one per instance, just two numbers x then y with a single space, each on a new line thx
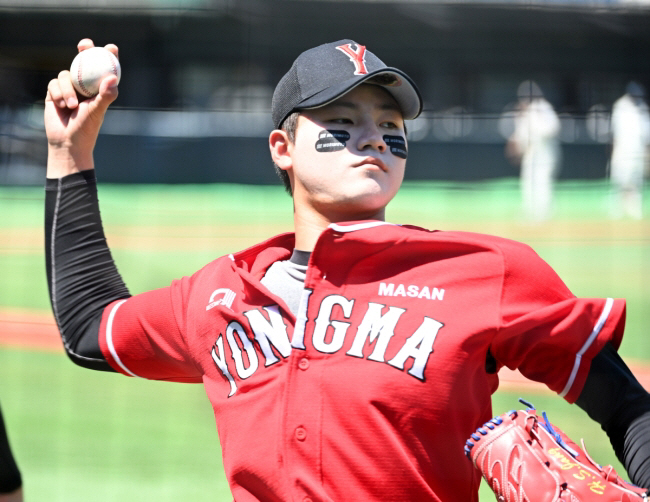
323 74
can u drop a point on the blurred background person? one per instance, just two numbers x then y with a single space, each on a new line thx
10 478
534 144
630 139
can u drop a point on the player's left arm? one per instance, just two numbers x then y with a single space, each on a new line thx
543 321
613 397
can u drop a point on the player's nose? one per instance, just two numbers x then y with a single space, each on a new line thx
372 137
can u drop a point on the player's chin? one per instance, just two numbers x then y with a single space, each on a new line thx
381 189
373 198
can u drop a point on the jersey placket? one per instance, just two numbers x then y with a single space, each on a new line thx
302 429
303 416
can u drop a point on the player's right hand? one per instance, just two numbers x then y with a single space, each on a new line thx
72 122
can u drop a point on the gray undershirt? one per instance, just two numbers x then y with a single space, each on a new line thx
286 279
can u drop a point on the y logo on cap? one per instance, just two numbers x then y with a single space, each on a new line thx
357 56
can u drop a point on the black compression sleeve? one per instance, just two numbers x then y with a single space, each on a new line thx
81 274
614 398
10 479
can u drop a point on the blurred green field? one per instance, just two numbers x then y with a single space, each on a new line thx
80 435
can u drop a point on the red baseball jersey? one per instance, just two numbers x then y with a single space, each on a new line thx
371 391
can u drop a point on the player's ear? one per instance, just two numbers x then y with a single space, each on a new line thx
281 149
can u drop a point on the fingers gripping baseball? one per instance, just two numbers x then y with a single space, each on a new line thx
72 120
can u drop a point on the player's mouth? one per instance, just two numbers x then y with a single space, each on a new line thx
372 161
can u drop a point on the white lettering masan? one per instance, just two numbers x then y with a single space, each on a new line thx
411 291
267 331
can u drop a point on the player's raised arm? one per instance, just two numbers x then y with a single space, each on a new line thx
82 277
72 122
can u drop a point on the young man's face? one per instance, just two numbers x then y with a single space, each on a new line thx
348 158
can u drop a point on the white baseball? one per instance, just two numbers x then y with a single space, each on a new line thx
90 67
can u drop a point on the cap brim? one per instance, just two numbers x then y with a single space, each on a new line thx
405 92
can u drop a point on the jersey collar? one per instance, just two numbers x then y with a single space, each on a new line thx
357 225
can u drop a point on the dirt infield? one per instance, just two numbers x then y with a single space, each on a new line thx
36 330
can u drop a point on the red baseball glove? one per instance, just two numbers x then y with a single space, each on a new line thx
525 458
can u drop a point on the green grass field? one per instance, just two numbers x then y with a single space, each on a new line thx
87 436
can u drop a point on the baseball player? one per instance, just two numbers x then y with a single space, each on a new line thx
630 124
535 144
11 483
351 358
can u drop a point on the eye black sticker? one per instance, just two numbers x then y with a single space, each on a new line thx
331 141
397 145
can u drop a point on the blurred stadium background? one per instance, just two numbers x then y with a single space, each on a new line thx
216 62
185 176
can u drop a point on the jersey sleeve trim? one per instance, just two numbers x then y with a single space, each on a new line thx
604 315
109 339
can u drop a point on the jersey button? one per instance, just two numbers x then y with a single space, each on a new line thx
307 499
301 433
303 364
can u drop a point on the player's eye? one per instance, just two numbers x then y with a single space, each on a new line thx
341 120
390 125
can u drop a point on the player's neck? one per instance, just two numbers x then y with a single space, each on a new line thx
308 225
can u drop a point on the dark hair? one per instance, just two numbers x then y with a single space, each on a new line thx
289 126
